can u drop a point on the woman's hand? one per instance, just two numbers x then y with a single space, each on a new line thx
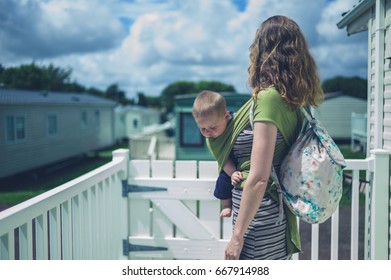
236 178
234 247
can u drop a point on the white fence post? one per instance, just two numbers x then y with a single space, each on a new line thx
122 154
379 206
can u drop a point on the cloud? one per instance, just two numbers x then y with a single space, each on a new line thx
47 29
334 49
144 45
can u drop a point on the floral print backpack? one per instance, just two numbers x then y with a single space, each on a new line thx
310 177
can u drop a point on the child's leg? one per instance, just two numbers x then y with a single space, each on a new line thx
227 208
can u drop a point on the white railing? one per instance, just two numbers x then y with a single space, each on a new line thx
376 211
81 219
87 218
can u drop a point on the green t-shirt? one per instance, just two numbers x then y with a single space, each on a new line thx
271 107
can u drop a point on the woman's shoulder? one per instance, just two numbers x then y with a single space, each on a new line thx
270 91
270 96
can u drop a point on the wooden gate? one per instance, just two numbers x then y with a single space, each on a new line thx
172 212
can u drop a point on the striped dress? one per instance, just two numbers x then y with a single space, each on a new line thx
265 239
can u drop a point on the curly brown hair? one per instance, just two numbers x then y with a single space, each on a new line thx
279 57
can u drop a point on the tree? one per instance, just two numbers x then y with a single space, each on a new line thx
174 89
214 86
32 76
154 102
113 92
142 100
352 86
95 91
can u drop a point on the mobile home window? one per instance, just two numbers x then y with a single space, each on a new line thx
189 133
97 119
84 120
135 123
15 128
52 124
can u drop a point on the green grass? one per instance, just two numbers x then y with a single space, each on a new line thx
21 187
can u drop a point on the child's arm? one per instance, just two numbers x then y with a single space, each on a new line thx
230 169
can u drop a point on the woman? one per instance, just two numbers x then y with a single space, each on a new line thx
283 77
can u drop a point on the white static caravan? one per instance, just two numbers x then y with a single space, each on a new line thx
40 128
335 113
131 120
119 124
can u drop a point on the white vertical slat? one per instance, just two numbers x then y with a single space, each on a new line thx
208 169
54 233
162 169
367 222
7 246
25 241
334 235
354 216
108 217
101 219
139 168
45 228
86 232
66 230
296 256
210 210
315 242
11 243
139 210
112 216
161 225
186 169
76 228
41 237
58 230
4 248
118 217
94 223
380 205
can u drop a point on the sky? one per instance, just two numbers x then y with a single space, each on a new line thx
145 45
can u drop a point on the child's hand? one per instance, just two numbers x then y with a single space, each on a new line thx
226 212
236 178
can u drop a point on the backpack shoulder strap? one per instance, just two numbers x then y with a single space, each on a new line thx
307 115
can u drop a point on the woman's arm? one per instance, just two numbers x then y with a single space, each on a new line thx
265 134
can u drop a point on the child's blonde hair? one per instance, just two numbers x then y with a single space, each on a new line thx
208 103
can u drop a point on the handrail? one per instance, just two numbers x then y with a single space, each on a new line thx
53 225
152 153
